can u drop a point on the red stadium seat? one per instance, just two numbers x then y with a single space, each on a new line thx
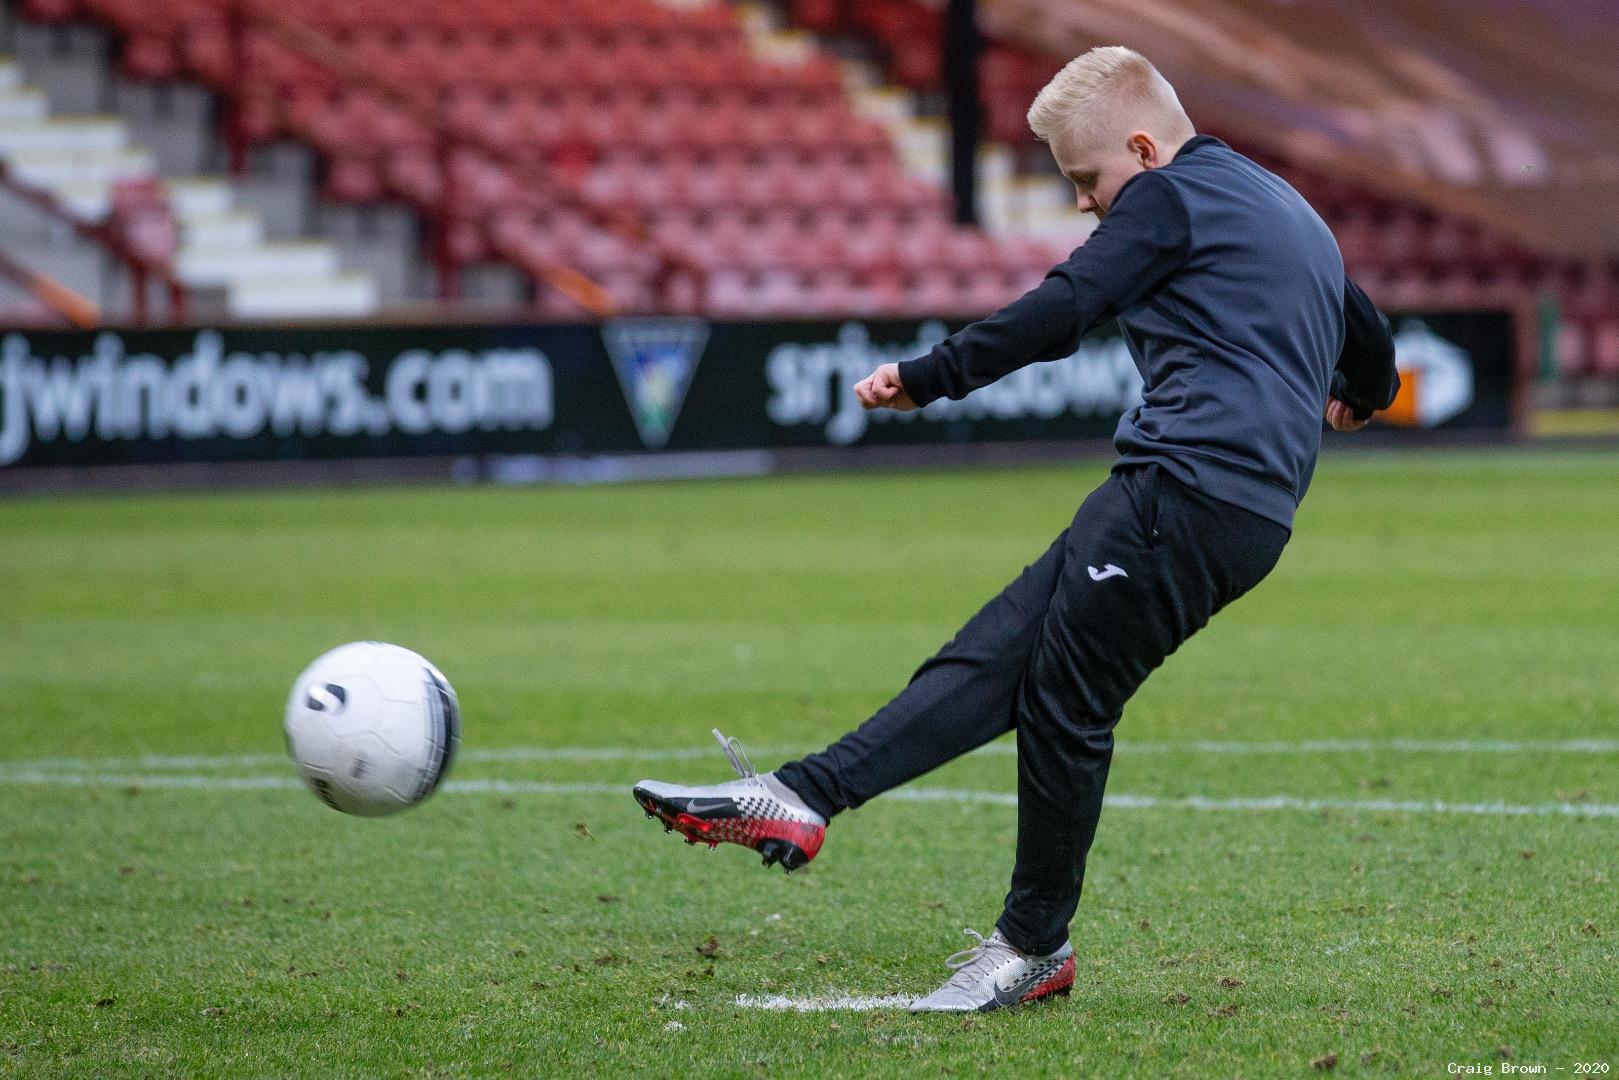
150 56
142 217
729 292
414 176
1572 350
933 292
1603 336
822 16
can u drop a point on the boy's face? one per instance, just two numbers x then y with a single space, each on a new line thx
1098 168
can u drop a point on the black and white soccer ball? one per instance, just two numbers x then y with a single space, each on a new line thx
372 728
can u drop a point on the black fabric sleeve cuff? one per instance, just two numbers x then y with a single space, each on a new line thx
919 377
1365 377
1362 406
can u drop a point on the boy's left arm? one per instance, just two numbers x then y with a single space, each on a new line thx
1365 380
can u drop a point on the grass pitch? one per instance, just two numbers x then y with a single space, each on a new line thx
1441 631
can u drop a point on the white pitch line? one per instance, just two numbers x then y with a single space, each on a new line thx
146 780
146 761
924 794
779 1003
1360 746
1281 802
1403 806
206 783
633 753
500 753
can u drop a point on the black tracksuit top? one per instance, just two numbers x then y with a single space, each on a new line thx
1230 294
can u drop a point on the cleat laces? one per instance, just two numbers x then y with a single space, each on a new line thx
738 756
978 959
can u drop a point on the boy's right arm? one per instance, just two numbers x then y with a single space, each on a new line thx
1144 238
1039 325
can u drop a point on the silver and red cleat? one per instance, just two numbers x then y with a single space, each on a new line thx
994 975
758 812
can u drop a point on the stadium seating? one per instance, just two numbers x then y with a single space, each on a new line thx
760 173
1410 255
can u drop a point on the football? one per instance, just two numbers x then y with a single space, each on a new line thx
372 728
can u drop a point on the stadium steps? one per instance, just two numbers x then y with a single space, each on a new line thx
223 246
1012 205
1035 206
81 159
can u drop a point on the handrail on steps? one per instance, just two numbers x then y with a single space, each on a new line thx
142 267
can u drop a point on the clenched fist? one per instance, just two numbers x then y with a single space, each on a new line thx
883 390
1342 418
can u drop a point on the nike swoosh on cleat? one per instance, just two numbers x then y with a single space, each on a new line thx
1108 570
697 806
1011 996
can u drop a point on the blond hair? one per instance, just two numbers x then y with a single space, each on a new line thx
1106 94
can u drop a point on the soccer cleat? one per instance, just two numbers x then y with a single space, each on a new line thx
994 975
758 812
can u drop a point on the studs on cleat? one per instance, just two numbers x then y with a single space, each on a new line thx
773 850
785 852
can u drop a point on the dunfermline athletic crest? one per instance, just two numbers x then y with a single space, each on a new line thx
655 360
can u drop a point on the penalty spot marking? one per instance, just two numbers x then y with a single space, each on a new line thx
780 1003
1120 801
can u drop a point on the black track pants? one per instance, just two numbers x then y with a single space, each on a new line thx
1145 563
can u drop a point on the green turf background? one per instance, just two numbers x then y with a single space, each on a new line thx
148 931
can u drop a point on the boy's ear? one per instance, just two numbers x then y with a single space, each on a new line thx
1145 149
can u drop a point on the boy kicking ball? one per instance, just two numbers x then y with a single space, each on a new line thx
1230 293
